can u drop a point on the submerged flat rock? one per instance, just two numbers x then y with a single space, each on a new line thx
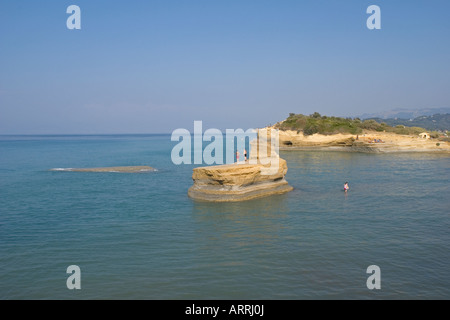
130 169
238 182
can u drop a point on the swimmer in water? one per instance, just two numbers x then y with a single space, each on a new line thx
346 187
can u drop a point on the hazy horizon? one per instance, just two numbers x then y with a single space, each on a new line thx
191 127
143 68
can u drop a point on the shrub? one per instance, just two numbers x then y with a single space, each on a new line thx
310 129
316 123
434 134
370 125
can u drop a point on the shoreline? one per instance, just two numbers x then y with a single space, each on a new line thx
356 150
367 142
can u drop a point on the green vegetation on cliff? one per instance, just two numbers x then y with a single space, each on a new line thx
316 123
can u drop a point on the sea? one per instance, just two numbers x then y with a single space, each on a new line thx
139 236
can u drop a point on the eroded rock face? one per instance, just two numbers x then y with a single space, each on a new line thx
238 182
364 142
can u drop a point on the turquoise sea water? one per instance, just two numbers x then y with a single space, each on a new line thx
139 236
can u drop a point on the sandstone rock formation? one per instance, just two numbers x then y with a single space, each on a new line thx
238 182
389 142
261 175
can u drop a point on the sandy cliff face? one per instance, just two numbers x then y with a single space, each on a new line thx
389 142
292 138
238 182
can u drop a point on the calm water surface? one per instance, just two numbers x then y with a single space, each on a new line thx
138 236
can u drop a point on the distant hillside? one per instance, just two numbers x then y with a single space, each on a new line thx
317 123
402 113
437 122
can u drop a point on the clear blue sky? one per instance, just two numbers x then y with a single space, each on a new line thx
154 66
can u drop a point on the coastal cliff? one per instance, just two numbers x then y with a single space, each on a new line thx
368 141
238 182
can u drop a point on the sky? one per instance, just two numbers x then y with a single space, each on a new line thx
155 66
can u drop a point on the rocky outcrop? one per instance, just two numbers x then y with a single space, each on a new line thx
239 181
367 142
358 146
